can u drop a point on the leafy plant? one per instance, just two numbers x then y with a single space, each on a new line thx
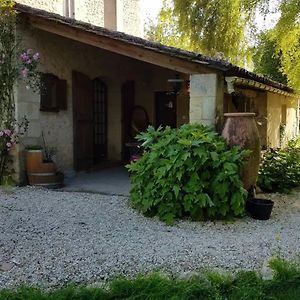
187 172
9 138
280 168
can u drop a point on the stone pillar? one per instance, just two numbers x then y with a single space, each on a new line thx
206 99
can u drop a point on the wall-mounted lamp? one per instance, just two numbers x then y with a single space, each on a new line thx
176 84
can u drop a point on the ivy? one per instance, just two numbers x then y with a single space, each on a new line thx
187 172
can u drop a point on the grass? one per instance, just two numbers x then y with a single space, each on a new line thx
243 286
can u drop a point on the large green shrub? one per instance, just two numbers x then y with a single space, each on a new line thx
187 172
280 168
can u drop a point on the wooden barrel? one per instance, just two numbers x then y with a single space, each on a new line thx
34 158
47 180
41 173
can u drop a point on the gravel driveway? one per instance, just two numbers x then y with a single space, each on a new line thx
53 238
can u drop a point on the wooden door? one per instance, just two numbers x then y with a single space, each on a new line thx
128 101
100 121
166 109
83 109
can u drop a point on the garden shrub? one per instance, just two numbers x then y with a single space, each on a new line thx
280 168
187 172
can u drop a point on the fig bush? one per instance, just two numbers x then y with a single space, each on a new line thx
187 172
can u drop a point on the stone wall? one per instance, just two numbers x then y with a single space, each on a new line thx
276 118
54 6
132 20
268 108
90 11
60 56
129 17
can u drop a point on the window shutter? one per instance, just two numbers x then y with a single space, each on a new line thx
62 94
49 93
53 93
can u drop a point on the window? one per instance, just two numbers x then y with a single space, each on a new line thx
53 93
69 8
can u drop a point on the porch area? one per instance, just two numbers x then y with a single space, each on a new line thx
111 181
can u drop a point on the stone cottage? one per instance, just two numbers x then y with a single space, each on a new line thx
100 76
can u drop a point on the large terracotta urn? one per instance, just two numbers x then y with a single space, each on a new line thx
240 130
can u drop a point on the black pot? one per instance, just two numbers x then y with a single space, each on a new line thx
259 209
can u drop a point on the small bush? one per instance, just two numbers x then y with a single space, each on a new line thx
280 169
187 172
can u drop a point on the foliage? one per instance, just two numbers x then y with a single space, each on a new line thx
187 172
8 138
167 32
267 60
214 286
287 37
280 169
226 29
214 28
15 65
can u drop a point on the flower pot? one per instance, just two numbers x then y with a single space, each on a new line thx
42 173
240 130
259 209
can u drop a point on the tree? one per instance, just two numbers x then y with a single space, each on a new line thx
212 27
224 29
267 60
287 38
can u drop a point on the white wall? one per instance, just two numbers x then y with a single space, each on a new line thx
129 16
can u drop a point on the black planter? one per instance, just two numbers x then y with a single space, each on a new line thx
259 209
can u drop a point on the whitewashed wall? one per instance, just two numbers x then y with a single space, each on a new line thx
129 17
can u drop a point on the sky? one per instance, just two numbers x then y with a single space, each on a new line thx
151 8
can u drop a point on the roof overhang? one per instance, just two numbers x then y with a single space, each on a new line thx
151 52
233 81
89 37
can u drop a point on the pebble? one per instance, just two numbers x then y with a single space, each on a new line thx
52 238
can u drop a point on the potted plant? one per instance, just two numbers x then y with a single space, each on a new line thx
41 170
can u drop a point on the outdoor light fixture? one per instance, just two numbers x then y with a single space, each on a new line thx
176 84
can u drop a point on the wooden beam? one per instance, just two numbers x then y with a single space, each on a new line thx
119 47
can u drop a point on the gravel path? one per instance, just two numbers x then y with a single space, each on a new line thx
53 238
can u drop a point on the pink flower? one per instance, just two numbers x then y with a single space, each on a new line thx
7 132
24 56
24 72
36 56
8 145
28 61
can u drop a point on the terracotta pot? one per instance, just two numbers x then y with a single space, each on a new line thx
240 130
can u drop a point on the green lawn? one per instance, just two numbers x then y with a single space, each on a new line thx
245 285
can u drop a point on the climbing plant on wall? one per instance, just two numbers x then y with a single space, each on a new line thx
16 65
